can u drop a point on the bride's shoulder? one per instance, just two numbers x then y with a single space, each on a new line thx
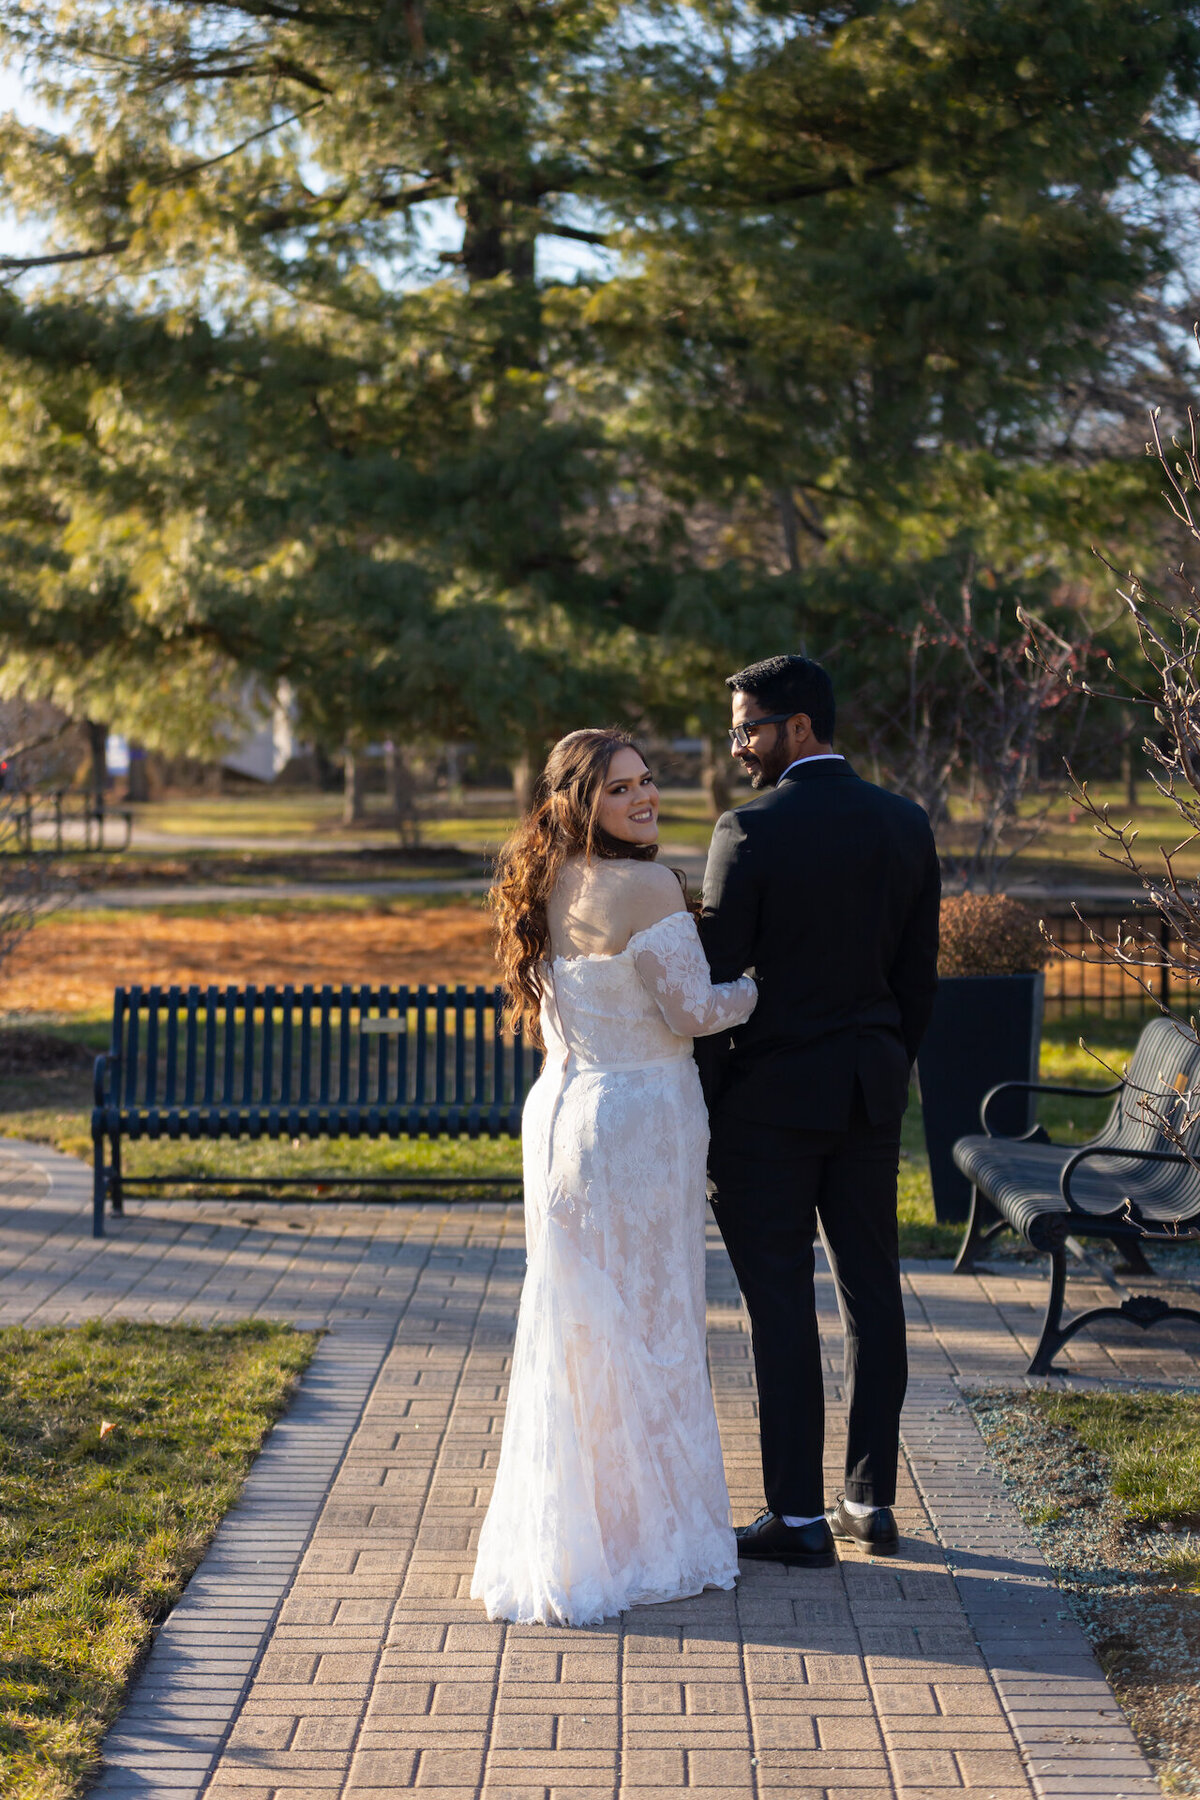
634 894
652 892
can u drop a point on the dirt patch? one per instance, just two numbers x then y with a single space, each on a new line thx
1143 1621
72 963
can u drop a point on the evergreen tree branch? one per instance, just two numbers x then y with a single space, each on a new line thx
210 162
116 246
274 67
601 238
20 265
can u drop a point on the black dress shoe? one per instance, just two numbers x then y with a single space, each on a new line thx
770 1540
874 1531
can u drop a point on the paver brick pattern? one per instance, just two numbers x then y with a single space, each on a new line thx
951 1671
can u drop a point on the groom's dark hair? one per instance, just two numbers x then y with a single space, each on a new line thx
790 684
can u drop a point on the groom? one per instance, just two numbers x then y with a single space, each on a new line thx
827 888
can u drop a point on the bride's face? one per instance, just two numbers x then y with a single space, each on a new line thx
629 804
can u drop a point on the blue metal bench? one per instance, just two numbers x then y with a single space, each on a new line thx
1137 1182
287 1062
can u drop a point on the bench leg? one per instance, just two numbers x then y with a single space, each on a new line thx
982 1226
115 1191
99 1184
1053 1336
1133 1258
1143 1310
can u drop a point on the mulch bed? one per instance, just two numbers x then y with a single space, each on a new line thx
71 964
1142 1621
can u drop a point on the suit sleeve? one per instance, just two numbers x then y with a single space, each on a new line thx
729 911
728 930
913 975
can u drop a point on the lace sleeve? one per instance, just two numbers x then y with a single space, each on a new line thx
673 967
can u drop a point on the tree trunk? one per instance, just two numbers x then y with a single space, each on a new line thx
714 778
524 774
325 769
97 741
401 795
353 798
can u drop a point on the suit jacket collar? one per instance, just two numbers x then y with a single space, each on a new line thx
816 768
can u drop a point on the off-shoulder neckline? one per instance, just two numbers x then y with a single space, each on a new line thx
616 955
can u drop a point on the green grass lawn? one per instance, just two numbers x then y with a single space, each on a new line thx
121 1447
1151 1443
1068 847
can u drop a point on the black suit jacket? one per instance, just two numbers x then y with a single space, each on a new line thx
827 889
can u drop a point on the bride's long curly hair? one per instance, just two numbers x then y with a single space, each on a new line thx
564 822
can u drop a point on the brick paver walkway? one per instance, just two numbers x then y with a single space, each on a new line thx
327 1646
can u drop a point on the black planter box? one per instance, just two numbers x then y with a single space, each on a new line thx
985 1029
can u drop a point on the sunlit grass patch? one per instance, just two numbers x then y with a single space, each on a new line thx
121 1447
1152 1444
1109 1485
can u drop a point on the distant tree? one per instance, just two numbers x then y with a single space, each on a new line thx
294 387
1162 942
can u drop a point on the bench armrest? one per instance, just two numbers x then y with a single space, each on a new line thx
106 1060
1041 1087
1110 1150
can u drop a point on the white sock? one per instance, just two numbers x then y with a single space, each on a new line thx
793 1520
857 1509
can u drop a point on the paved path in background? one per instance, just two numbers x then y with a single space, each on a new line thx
327 1646
195 893
223 893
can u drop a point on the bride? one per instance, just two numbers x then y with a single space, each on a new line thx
610 1490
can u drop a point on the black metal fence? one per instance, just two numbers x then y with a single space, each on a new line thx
1080 980
64 820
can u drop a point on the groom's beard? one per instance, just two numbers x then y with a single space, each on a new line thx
760 774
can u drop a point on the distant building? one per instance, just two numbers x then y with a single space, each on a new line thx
267 747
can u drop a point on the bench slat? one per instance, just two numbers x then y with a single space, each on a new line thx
189 1050
130 1052
497 1093
403 1007
288 1007
325 1045
172 1044
364 1047
421 1057
269 1005
307 1002
248 1004
344 1045
230 1046
480 1044
150 1082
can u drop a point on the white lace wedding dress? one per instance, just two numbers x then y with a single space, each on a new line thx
610 1490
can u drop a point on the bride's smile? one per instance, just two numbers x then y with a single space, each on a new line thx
628 806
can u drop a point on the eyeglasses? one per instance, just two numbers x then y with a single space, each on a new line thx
741 734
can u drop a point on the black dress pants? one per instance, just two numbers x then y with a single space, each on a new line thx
772 1186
